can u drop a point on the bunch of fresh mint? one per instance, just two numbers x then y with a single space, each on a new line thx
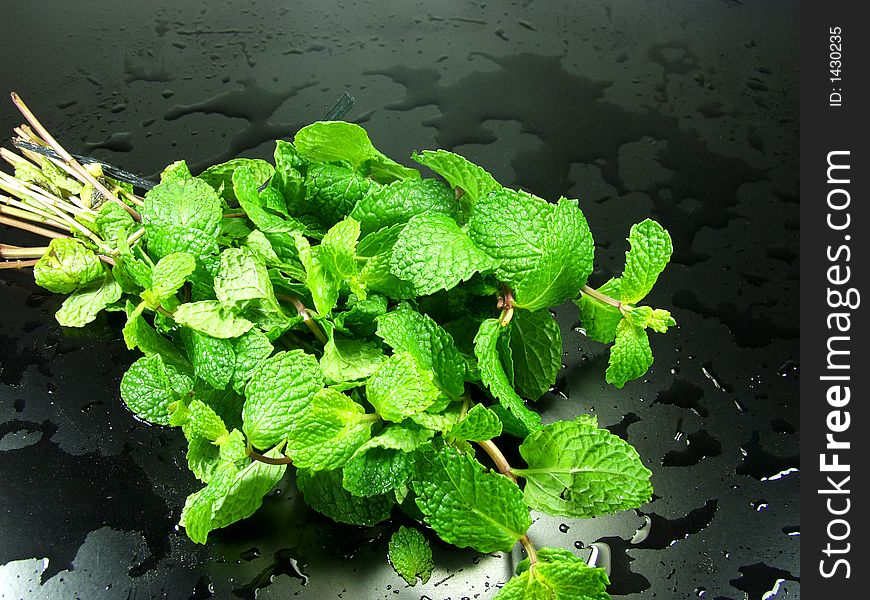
373 328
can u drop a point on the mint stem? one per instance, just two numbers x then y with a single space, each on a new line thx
268 459
506 304
530 549
593 293
306 316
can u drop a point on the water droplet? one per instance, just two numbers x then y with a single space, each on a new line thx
564 528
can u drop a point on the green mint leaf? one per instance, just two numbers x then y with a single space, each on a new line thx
278 392
149 386
558 575
401 387
241 279
320 281
220 177
459 172
113 221
184 203
83 305
245 187
657 319
599 320
177 171
651 249
170 273
360 317
66 266
211 318
287 179
439 421
163 240
375 471
536 352
406 330
576 469
478 425
399 201
231 495
630 356
376 276
467 505
197 419
250 350
544 250
213 359
433 254
380 241
334 141
493 375
410 555
349 359
331 192
323 492
337 253
327 433
401 436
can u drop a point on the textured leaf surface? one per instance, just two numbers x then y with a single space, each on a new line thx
468 506
375 471
213 359
185 203
211 318
149 386
250 349
410 555
323 492
332 191
478 425
170 273
433 254
544 250
401 387
558 575
350 359
576 469
399 201
279 390
406 330
459 172
630 356
493 375
651 249
327 433
536 352
66 266
81 307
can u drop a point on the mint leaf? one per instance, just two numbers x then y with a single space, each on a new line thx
433 254
402 436
410 555
169 274
245 187
66 266
375 471
493 375
401 387
242 279
83 305
250 350
459 172
231 495
657 319
380 241
278 392
558 575
211 318
360 317
177 171
323 492
401 200
334 141
113 221
467 505
213 359
320 281
630 356
337 253
576 469
184 203
332 191
376 276
544 250
220 177
327 433
600 320
406 330
197 419
349 359
478 425
287 179
536 352
149 386
651 249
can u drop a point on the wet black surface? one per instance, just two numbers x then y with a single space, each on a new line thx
682 110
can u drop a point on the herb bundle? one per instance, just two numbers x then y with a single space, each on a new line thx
378 330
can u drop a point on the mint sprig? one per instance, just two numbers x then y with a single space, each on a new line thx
382 332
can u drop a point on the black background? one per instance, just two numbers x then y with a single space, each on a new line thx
686 111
